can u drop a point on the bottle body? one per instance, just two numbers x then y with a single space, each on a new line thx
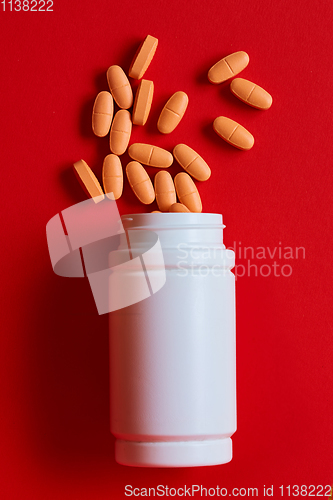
173 355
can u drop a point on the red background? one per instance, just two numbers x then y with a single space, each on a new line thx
54 421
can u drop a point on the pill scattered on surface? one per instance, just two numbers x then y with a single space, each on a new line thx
102 114
143 57
140 182
150 155
233 133
191 162
250 93
142 102
120 86
164 190
156 212
228 67
187 192
178 207
88 181
112 176
120 134
172 112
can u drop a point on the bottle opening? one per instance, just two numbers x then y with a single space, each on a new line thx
172 220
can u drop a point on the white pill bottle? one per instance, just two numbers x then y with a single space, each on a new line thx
173 355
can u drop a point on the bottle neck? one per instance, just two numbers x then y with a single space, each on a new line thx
174 229
191 239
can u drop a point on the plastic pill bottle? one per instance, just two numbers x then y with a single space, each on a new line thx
173 354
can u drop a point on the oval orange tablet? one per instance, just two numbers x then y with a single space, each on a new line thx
172 112
120 134
102 114
250 93
191 162
143 57
233 133
142 102
112 176
164 190
140 182
187 192
88 181
150 155
120 86
178 207
228 67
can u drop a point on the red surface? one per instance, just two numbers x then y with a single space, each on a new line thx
55 440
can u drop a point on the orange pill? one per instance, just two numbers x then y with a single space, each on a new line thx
112 176
228 67
143 57
191 162
140 182
150 155
88 181
250 93
172 112
120 86
142 102
233 133
178 207
120 134
187 192
164 190
102 114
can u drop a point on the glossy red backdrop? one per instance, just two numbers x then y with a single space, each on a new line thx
54 420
